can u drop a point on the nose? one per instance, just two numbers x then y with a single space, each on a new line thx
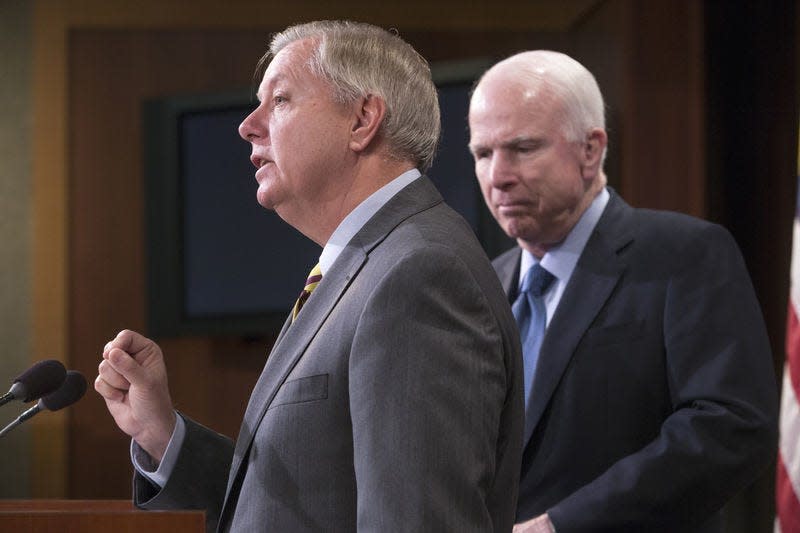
502 171
252 127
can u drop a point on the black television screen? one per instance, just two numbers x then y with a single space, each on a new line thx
220 264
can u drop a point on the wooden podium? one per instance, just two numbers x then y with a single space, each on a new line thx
94 516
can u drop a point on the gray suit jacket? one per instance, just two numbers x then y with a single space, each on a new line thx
654 399
393 403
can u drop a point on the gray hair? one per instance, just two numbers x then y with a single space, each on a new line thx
358 59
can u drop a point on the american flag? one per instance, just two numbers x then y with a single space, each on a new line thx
787 487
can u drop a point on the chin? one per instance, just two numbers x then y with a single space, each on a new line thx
520 232
514 229
265 201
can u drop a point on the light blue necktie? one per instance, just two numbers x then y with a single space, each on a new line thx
531 315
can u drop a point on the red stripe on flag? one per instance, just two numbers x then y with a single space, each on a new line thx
793 348
786 499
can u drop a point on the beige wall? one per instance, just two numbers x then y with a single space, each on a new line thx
15 231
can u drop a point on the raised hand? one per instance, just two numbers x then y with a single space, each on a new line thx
132 378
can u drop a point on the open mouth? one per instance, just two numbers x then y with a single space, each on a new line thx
257 161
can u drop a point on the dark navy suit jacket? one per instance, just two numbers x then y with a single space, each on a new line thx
655 398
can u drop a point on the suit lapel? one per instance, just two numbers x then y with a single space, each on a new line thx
291 345
295 338
507 267
596 274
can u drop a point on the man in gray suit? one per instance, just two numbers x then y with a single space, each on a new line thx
651 398
391 400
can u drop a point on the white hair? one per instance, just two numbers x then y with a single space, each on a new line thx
572 83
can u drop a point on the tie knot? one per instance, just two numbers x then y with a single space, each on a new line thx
537 280
314 277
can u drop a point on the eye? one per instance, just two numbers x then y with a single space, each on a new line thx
528 147
279 99
481 153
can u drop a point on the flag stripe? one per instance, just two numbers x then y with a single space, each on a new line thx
787 479
792 324
788 520
792 366
790 435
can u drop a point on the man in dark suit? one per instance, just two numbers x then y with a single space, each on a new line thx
392 399
650 394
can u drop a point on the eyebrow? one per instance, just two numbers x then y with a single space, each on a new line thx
475 147
272 81
511 143
516 141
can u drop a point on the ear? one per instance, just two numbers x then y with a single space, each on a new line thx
370 111
592 152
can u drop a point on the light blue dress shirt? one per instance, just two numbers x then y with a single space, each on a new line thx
560 260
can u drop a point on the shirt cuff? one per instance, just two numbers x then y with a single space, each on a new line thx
158 474
540 524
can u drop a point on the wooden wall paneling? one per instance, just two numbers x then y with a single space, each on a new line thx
648 60
665 139
599 41
49 248
111 73
753 118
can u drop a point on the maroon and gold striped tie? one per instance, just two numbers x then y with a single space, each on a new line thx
314 277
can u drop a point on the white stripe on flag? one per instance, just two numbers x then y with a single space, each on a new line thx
795 269
790 431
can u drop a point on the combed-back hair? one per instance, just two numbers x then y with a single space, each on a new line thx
359 59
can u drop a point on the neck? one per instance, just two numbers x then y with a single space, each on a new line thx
368 177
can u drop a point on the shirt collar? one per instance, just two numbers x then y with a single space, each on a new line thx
560 260
359 216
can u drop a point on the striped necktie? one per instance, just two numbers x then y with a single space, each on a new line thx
314 277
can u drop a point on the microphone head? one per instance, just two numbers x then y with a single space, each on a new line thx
72 390
42 378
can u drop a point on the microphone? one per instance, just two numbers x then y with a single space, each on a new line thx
72 390
42 378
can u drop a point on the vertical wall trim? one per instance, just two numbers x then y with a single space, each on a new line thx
49 172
